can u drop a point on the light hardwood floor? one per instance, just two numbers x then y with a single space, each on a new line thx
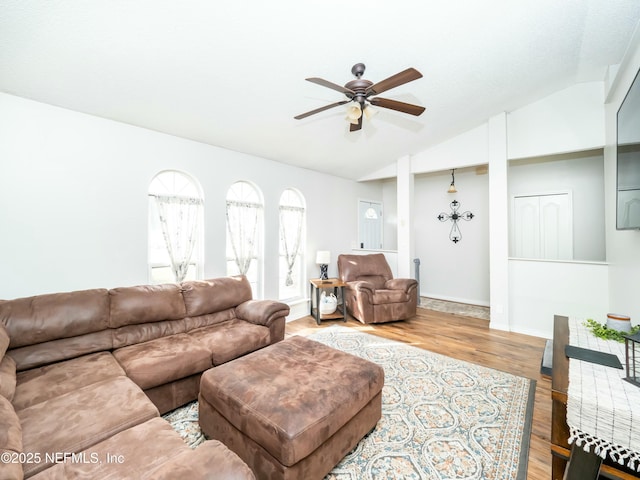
472 340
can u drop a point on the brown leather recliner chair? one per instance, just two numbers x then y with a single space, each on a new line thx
372 294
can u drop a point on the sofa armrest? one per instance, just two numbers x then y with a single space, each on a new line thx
262 312
405 284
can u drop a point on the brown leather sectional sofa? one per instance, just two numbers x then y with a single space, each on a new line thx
86 375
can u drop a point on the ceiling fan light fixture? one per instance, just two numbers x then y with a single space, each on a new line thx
370 112
354 112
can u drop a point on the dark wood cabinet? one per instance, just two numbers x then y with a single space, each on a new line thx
560 448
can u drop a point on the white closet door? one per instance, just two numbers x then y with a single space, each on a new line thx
543 227
526 225
556 227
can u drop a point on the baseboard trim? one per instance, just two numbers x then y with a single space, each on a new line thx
298 310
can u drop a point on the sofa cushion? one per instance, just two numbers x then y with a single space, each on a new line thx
209 296
163 360
10 441
132 334
11 471
79 419
231 339
145 303
132 453
372 268
191 323
377 281
40 384
10 428
32 356
169 396
57 315
7 377
211 460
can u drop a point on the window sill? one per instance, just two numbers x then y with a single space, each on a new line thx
292 302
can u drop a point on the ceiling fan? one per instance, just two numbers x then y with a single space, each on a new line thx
360 91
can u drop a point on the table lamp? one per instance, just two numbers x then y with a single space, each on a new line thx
323 258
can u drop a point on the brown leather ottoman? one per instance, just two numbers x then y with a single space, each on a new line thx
292 410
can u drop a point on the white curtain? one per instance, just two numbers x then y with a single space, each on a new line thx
179 220
242 227
291 224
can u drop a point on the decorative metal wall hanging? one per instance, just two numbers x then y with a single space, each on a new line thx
455 235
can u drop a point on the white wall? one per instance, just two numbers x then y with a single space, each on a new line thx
570 120
567 121
467 149
390 202
623 246
541 289
73 200
583 175
448 270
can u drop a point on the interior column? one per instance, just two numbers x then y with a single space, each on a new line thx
498 223
406 250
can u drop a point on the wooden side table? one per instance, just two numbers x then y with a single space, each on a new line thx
315 286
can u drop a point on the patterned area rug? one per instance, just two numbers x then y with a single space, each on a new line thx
462 309
441 418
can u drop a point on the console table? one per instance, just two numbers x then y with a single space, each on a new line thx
579 465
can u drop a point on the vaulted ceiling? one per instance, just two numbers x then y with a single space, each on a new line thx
232 73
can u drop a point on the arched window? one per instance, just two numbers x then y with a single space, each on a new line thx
175 228
292 243
245 211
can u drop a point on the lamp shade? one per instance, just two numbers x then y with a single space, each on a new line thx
354 112
323 257
370 112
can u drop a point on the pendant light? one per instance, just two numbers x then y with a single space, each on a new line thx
452 187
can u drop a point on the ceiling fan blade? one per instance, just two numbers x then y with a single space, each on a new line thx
393 81
356 126
398 106
321 109
333 86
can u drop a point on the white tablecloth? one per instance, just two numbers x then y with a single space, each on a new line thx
601 406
